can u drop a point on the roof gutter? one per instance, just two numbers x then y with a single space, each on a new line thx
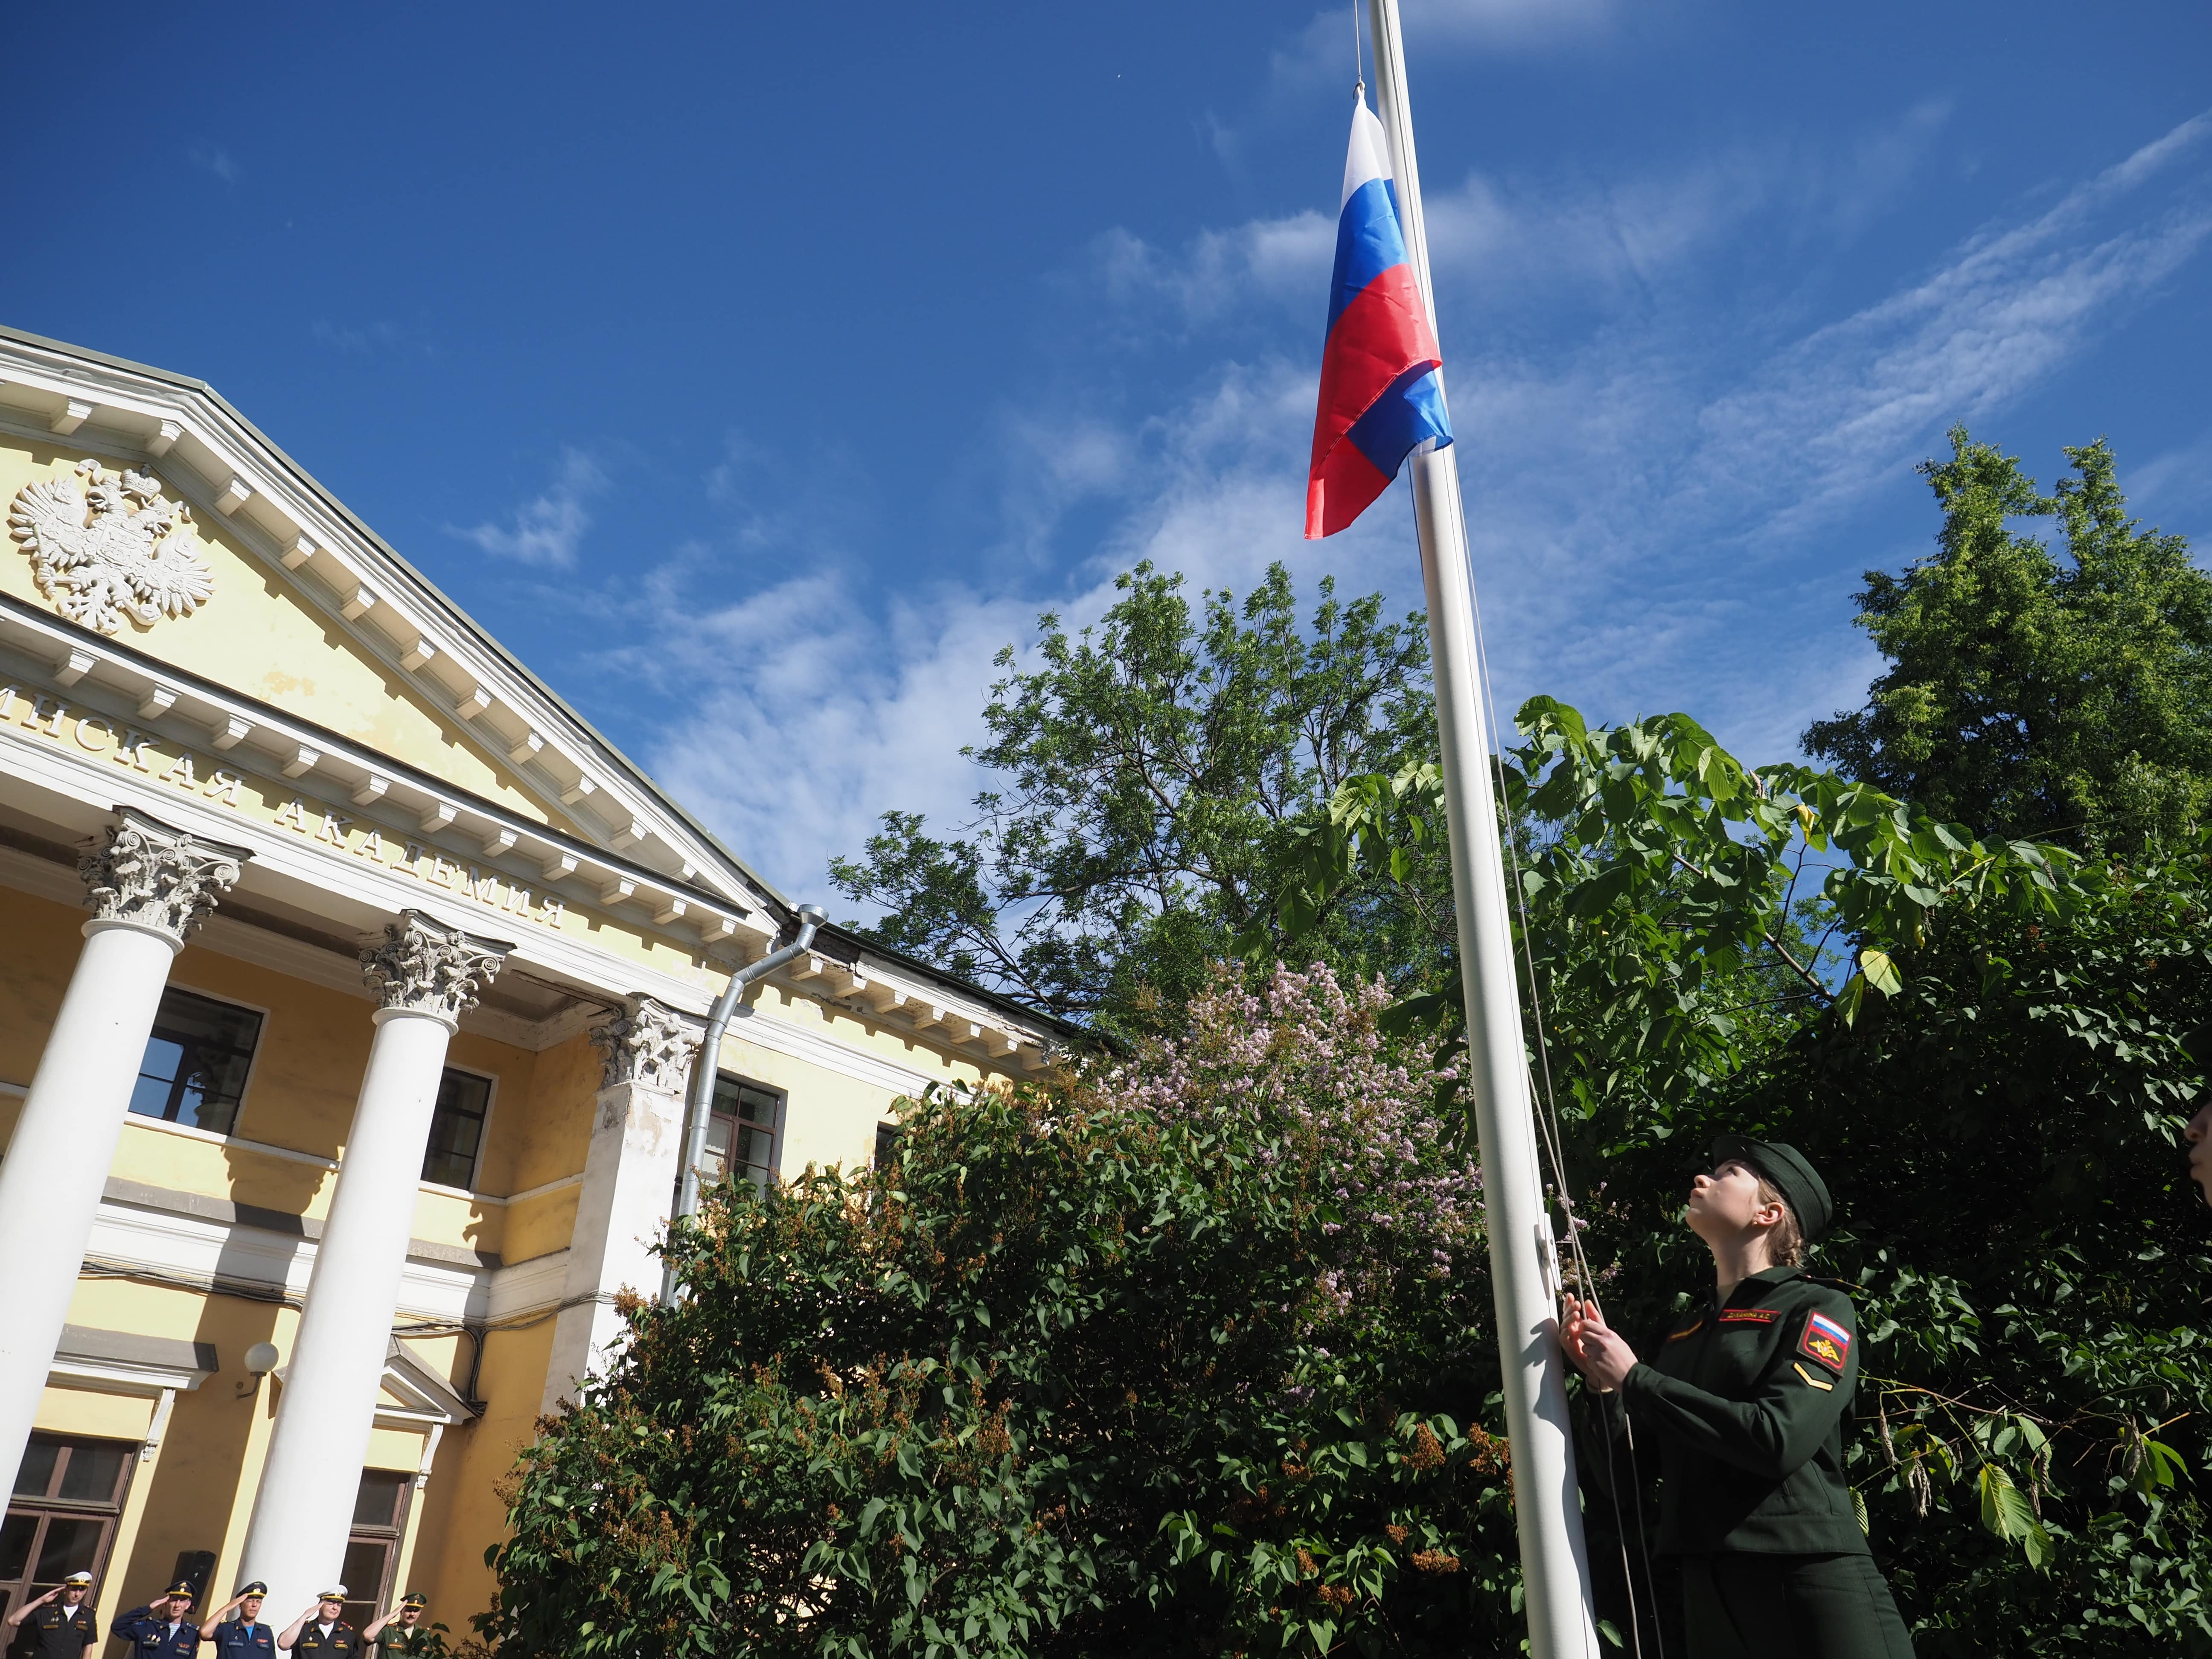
700 1106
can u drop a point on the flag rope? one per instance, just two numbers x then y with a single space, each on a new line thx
1547 1125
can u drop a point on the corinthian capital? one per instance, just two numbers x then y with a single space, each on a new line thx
154 876
424 967
644 1044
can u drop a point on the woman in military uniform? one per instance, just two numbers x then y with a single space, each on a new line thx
1746 1401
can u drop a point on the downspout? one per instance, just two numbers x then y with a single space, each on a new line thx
700 1104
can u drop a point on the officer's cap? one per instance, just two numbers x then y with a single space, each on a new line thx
338 1593
257 1587
1784 1169
414 1598
183 1587
78 1578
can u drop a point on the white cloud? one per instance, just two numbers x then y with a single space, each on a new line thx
213 158
1640 504
357 340
548 528
1510 22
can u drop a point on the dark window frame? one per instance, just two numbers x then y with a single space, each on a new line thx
43 1508
484 1127
737 1123
182 1081
390 1538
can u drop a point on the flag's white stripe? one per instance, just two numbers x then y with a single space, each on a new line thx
1368 156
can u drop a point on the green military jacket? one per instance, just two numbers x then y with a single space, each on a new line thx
1746 1401
396 1638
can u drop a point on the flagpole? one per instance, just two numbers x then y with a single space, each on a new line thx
1523 1251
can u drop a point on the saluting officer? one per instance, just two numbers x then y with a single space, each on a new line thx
1747 1401
159 1630
322 1630
400 1631
63 1625
244 1637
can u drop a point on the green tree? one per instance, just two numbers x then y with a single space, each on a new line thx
2030 695
1179 1356
1151 768
1995 1096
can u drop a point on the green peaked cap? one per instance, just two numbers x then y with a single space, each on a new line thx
1788 1172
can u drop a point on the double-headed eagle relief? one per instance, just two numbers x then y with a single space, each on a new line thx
105 546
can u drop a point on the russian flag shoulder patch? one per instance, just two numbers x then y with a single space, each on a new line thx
1825 1340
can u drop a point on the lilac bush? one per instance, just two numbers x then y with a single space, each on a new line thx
1183 1353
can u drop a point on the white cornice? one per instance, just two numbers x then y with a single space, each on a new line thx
129 1238
332 773
767 1030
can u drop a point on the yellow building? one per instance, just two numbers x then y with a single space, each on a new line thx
350 989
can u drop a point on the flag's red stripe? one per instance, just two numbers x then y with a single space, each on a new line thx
1340 488
1382 332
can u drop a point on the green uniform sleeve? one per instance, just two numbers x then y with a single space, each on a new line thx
1775 1431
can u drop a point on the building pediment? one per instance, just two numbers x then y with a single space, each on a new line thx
145 510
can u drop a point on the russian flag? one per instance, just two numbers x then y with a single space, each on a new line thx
1379 393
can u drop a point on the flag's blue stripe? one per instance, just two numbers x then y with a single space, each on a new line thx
1413 410
1368 243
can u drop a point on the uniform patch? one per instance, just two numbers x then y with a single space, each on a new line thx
1824 1341
1820 1382
1750 1316
1688 1331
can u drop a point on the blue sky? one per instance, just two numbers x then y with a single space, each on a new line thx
756 373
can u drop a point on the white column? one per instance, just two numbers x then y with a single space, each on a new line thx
425 975
149 886
637 1135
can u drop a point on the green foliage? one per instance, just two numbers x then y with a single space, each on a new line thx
2055 700
1174 1357
1151 767
1994 1097
1659 883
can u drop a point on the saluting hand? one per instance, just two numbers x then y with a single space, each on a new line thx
1593 1347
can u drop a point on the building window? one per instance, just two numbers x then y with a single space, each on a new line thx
61 1519
741 1132
456 1131
372 1557
194 1070
887 1144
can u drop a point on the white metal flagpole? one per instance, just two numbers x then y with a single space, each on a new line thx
1523 1252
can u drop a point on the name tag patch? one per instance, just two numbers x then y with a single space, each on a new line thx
1750 1316
1824 1341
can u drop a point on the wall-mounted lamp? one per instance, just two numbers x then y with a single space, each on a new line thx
260 1359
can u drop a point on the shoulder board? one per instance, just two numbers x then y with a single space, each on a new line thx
1843 1285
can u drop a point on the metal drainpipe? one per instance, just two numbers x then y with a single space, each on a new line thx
701 1104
